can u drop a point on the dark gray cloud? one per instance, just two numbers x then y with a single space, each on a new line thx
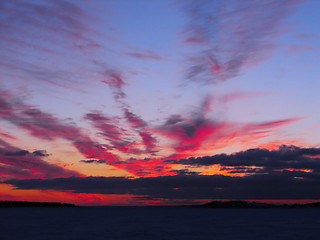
93 161
41 153
38 153
282 158
284 185
184 172
17 153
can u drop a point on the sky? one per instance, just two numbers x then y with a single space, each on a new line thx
159 102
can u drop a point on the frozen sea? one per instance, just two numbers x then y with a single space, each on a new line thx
155 223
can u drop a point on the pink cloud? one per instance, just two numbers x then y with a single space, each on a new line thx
307 36
116 83
117 137
272 124
296 49
142 129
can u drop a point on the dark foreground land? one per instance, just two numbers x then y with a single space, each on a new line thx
6 204
245 204
214 204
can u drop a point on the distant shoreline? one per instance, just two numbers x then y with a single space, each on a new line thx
10 204
245 204
213 204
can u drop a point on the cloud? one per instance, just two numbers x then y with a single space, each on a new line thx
262 160
115 135
40 153
93 161
35 121
189 133
232 35
19 163
296 49
145 55
115 81
284 185
17 153
196 130
141 128
91 149
46 20
272 124
184 172
46 126
119 138
31 31
146 167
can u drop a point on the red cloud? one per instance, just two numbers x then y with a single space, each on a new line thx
189 134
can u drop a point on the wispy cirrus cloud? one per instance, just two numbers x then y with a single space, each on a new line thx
141 128
47 20
266 126
115 81
120 139
232 35
296 49
117 137
36 35
145 55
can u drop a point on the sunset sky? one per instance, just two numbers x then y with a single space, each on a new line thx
159 102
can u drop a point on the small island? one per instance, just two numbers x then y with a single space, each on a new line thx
9 204
245 204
